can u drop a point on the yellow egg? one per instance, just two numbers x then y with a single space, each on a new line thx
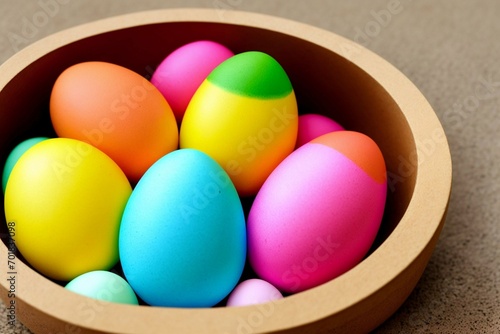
65 199
244 115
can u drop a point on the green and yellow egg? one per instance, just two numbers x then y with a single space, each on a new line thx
245 116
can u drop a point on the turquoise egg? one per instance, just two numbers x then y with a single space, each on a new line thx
182 239
15 155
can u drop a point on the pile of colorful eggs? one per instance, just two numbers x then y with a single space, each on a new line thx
149 176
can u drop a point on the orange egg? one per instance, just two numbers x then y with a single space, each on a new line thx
117 111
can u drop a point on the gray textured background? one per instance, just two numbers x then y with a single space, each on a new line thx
448 49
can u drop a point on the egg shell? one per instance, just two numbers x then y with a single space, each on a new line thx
14 156
116 110
182 236
181 73
253 291
244 115
66 198
103 285
319 211
312 126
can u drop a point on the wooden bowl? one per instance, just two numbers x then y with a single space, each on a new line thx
331 75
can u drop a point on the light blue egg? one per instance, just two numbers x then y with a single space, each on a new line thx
182 238
103 285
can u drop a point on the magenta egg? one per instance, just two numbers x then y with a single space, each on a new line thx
318 213
181 73
312 126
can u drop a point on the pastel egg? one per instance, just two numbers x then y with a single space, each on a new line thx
66 199
253 291
116 110
244 115
319 211
103 285
314 125
183 237
15 154
181 73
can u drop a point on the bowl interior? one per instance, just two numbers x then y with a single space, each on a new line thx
325 82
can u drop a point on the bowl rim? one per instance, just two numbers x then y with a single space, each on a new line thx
424 216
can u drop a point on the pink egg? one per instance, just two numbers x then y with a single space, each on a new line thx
253 291
181 73
318 213
314 125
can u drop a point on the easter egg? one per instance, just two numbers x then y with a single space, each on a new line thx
319 211
253 291
314 125
181 73
183 237
244 115
103 285
66 198
14 155
117 111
